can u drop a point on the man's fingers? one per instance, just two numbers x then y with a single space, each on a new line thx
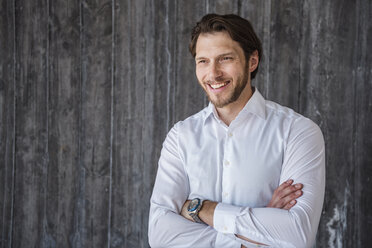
290 199
289 190
277 198
285 194
290 205
284 185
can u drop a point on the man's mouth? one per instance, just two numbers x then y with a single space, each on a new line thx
219 85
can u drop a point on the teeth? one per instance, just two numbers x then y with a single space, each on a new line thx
217 86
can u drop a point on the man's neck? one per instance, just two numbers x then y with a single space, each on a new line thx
229 112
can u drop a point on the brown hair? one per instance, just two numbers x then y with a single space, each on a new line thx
239 29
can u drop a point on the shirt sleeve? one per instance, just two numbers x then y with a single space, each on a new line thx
167 228
304 162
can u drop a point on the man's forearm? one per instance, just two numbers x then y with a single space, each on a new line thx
168 229
206 214
284 197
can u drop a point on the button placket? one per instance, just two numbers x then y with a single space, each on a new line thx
226 164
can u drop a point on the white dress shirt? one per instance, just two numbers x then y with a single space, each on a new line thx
239 166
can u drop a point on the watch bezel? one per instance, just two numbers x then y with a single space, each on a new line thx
193 209
195 202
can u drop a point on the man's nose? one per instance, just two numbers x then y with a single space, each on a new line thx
215 71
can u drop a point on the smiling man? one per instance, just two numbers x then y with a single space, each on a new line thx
244 171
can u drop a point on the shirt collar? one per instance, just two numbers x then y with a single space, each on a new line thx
255 105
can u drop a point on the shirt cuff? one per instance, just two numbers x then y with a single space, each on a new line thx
227 240
224 218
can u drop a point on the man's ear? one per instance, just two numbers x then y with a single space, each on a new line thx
253 61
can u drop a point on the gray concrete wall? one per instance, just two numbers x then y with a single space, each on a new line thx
89 89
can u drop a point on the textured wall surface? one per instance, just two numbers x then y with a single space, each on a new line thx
89 89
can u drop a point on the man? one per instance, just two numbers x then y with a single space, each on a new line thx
219 170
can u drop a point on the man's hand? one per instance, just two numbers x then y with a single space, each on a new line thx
184 211
285 195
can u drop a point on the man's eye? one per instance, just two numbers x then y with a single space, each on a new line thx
227 58
201 61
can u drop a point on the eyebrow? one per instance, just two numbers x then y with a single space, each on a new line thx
220 55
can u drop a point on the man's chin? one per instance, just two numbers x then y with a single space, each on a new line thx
219 103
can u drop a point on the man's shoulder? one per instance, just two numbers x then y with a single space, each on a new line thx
190 127
275 110
278 110
196 119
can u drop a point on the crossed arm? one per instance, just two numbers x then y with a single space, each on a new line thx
284 197
291 226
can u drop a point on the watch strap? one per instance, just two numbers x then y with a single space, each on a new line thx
195 214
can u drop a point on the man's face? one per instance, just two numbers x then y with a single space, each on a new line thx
221 68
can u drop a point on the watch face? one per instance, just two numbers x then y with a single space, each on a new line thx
193 204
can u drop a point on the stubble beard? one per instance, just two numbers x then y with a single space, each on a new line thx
237 91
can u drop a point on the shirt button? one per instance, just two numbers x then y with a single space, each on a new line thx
227 162
230 134
225 194
225 228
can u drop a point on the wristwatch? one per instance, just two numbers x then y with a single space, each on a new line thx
194 207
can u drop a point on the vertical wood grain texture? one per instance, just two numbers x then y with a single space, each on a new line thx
284 52
130 87
62 217
31 154
89 90
7 124
96 44
362 132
